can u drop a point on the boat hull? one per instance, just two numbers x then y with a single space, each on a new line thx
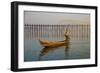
52 44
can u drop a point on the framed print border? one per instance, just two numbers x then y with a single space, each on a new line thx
15 33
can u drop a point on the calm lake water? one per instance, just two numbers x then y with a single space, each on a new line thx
78 48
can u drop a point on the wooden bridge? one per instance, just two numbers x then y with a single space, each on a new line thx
52 31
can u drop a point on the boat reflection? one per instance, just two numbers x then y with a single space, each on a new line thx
52 46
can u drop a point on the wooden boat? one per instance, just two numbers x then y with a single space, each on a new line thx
46 43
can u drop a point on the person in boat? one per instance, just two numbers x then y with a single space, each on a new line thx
66 38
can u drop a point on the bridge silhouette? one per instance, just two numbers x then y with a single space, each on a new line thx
52 31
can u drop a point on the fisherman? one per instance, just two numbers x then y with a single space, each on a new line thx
66 35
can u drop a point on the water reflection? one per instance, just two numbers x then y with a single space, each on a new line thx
53 46
48 36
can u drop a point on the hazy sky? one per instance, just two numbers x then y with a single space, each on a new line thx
32 17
